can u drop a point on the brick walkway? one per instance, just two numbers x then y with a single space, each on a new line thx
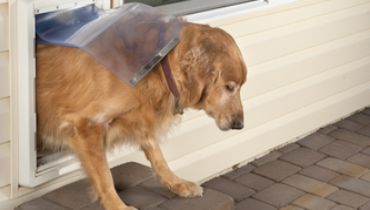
328 170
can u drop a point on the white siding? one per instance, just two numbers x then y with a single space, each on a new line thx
4 150
4 121
308 66
4 104
4 196
3 26
4 164
275 43
4 75
254 22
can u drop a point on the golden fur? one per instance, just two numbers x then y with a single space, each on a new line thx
83 106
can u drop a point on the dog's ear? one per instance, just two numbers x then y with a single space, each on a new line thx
196 65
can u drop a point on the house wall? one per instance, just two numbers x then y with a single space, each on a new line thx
4 103
308 65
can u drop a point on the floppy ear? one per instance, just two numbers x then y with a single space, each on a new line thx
195 65
195 92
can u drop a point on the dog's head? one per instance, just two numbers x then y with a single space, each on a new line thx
214 71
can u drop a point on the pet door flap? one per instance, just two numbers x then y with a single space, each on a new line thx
128 40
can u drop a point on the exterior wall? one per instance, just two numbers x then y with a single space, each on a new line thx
309 65
4 103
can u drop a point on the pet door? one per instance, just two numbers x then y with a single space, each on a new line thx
36 166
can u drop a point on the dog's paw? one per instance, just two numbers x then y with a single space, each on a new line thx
186 189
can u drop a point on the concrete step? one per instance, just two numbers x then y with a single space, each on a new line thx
137 186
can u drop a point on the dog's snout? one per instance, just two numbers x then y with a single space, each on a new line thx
237 124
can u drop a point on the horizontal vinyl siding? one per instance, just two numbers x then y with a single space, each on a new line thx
5 171
3 26
4 105
258 23
4 164
4 196
4 120
282 41
308 66
306 63
4 74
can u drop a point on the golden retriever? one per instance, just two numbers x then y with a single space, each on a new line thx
83 106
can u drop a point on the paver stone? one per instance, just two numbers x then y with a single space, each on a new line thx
273 195
366 151
352 184
141 198
254 204
342 207
348 198
319 173
361 118
314 203
155 185
365 131
349 125
351 137
310 185
361 160
254 181
366 111
366 177
291 207
316 140
39 204
340 149
277 170
73 196
232 189
343 167
130 174
366 206
211 200
302 157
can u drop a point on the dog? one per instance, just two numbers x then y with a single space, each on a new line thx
83 107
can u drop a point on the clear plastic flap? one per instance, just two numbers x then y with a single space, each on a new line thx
129 40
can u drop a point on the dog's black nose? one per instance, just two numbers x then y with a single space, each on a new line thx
237 124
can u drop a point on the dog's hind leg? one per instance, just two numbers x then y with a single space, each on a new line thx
87 143
168 178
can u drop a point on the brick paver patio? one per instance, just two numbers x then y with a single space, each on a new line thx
327 170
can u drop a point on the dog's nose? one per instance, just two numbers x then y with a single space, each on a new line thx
237 124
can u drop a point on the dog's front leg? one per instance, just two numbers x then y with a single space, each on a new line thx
89 147
168 178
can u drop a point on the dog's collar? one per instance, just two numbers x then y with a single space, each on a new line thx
171 84
167 73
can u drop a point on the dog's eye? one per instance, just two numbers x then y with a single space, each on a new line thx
230 88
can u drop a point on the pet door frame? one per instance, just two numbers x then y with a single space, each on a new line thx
55 165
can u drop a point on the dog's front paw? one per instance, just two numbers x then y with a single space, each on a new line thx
186 189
